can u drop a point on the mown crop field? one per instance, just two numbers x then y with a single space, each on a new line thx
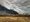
14 18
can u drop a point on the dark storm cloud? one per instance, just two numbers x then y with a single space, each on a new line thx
3 10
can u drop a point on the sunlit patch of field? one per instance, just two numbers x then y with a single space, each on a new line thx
14 19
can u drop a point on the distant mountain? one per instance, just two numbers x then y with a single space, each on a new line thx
3 10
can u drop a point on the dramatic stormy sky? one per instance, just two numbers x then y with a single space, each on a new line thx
20 6
3 10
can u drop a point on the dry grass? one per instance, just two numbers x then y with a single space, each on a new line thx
14 18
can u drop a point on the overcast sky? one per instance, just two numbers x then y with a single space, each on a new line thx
20 6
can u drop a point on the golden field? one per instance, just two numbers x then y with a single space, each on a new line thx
14 18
